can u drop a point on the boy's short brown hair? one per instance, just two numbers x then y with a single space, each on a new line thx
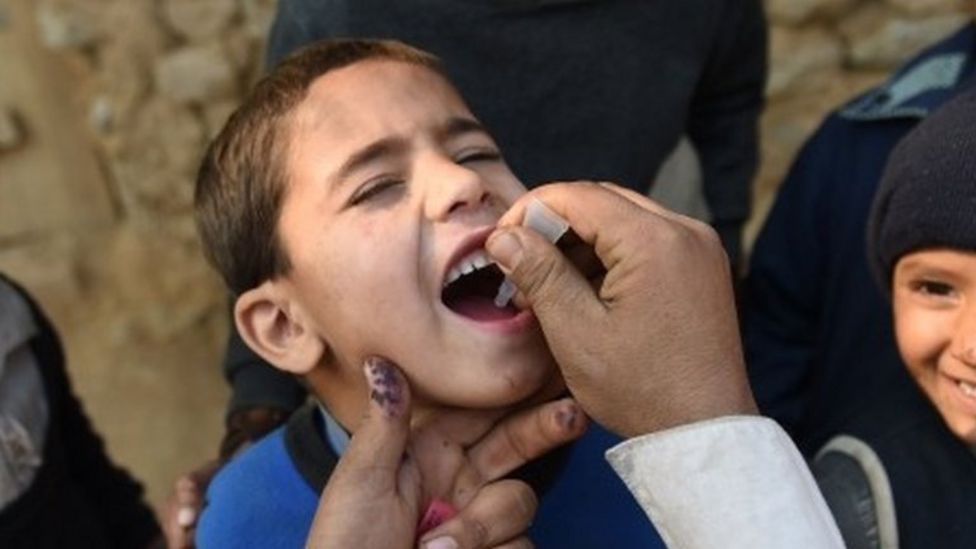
242 181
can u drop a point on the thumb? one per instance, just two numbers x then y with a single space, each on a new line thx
548 281
382 435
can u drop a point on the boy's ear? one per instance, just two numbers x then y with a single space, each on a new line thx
276 328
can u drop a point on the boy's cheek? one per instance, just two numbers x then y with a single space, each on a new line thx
963 426
921 335
508 188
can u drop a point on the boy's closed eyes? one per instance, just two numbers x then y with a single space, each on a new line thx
385 163
385 169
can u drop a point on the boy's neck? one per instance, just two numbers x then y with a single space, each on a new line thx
345 406
335 435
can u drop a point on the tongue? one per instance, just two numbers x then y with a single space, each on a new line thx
482 309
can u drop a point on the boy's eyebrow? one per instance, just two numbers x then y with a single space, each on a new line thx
910 266
914 266
458 125
454 127
367 154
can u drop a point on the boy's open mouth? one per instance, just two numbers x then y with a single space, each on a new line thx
470 289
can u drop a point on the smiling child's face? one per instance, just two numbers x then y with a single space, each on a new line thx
393 187
934 297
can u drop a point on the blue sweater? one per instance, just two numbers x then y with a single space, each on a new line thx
267 496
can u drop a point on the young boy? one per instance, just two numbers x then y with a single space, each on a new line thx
346 204
904 474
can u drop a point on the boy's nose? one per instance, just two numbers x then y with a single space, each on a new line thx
452 190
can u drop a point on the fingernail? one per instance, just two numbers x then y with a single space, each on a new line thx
566 416
186 517
385 387
505 247
443 542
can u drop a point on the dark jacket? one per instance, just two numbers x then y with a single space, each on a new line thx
898 473
575 89
817 330
79 498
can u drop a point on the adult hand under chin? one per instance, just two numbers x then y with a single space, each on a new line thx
391 471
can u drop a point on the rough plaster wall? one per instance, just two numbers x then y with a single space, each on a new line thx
823 52
101 132
106 119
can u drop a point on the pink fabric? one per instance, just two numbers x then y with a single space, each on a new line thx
438 512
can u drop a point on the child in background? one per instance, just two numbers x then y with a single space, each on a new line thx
346 204
904 474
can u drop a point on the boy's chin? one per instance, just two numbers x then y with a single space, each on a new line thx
546 384
548 387
964 428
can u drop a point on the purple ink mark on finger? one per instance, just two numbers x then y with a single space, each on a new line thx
386 387
567 418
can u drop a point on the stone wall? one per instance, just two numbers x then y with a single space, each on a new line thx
823 52
101 132
114 104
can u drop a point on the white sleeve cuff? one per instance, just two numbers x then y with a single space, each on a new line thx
734 481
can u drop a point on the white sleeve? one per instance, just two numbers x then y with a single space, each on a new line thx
728 482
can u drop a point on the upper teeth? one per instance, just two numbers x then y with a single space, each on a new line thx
968 388
469 264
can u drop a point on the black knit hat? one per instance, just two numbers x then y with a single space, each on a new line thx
927 196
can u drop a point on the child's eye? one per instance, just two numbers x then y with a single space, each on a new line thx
933 288
372 190
481 155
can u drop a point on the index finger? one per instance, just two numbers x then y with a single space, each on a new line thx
585 205
465 426
646 203
526 436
